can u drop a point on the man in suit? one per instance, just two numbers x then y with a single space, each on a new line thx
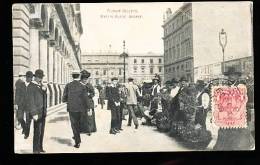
75 95
29 77
114 104
37 108
20 93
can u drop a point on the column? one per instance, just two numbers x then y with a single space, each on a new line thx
21 39
34 49
43 63
51 53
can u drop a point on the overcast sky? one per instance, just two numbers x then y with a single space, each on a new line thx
141 34
144 33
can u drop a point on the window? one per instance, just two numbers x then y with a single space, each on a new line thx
182 67
96 72
160 69
142 61
135 61
166 70
170 69
104 72
112 73
143 69
151 61
160 60
120 71
173 69
151 70
135 69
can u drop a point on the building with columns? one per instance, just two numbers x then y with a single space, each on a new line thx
46 36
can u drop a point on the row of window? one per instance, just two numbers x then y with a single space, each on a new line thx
177 22
151 61
112 73
179 51
178 67
181 36
151 69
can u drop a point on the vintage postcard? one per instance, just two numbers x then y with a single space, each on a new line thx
133 77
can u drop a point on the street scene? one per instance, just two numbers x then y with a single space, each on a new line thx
133 77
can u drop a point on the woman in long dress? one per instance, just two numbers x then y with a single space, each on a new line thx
87 121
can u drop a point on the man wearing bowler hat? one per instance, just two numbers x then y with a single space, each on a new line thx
29 78
75 95
37 108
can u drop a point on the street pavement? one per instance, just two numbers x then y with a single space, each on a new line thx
58 137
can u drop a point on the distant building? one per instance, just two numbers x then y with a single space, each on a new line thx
46 36
212 71
103 66
144 66
191 37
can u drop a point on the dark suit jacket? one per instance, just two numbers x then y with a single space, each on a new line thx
75 94
20 93
36 100
113 96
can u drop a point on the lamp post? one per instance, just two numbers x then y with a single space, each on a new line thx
124 55
223 43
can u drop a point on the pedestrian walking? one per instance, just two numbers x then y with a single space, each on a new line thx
91 93
20 93
114 104
37 108
29 77
75 95
131 101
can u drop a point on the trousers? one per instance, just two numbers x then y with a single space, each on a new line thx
115 117
75 125
38 134
131 109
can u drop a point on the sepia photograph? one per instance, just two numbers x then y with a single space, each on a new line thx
133 77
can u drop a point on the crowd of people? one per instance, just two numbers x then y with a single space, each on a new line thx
177 107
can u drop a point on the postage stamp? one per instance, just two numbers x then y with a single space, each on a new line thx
229 106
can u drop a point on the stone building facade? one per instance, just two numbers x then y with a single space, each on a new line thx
144 66
46 36
103 66
178 55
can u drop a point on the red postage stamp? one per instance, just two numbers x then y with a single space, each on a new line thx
229 106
